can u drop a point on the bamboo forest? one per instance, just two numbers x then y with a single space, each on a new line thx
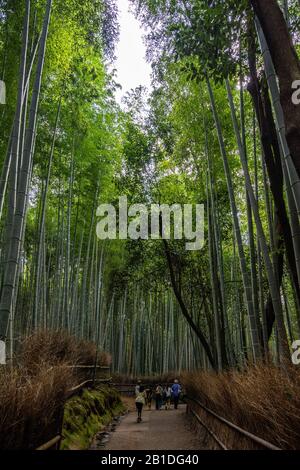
93 291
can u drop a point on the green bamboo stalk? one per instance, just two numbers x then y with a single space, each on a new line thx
10 274
243 266
273 284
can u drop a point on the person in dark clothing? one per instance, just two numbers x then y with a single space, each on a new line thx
158 396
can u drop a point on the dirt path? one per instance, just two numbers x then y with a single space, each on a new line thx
159 430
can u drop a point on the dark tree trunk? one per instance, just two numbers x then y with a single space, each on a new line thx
184 309
287 67
272 158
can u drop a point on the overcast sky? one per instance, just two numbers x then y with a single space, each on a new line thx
131 65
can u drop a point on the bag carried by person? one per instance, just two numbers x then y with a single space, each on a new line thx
140 398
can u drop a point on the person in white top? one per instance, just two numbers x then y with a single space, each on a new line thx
140 402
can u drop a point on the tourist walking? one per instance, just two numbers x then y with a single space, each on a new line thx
168 394
140 402
158 396
176 389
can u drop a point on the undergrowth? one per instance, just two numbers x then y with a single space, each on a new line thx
84 416
264 400
33 391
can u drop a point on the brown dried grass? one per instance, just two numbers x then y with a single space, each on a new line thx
264 400
33 392
30 404
56 347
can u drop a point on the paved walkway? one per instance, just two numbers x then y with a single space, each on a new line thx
159 430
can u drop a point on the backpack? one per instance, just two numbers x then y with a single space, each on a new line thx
140 398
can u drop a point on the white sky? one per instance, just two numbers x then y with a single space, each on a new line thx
131 65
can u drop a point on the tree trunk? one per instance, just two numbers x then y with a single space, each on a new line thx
272 157
183 307
287 67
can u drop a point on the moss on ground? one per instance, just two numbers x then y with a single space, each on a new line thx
87 414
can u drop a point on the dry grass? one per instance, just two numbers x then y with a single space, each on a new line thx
33 392
30 404
263 400
56 347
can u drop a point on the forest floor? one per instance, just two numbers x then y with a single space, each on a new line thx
159 430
